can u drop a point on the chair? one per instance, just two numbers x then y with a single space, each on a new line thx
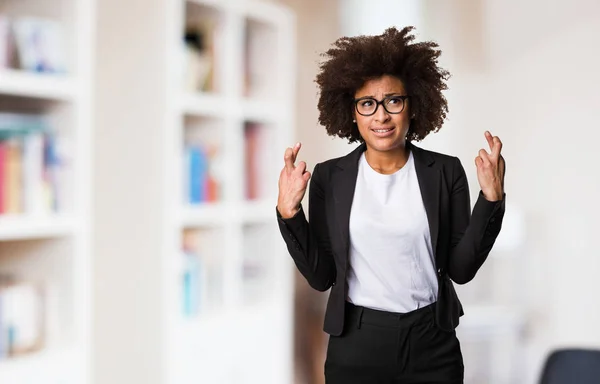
572 366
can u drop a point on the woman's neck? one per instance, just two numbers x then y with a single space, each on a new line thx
387 162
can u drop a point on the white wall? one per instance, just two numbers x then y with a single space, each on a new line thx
534 82
528 72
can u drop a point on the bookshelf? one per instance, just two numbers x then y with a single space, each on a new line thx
45 128
228 282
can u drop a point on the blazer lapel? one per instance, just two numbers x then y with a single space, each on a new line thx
343 186
429 182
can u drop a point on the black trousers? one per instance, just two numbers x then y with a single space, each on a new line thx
378 347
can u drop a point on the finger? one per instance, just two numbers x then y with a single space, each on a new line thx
478 162
497 147
288 159
306 176
300 168
295 151
490 140
502 169
485 157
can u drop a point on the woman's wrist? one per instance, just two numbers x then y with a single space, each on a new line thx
493 196
288 213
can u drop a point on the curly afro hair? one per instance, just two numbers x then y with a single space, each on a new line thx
354 60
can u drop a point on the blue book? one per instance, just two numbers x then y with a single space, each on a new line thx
191 284
198 166
51 163
194 169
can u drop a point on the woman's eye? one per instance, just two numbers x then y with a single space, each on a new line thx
394 101
366 103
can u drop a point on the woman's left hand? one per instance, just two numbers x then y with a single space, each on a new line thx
490 169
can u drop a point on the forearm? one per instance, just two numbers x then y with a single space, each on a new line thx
473 248
314 262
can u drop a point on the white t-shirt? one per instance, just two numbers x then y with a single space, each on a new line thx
392 267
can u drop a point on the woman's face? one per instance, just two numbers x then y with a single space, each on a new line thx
383 131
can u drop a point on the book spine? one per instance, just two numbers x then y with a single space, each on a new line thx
3 179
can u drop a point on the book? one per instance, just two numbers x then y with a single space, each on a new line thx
40 45
198 49
22 324
13 176
251 139
34 172
5 42
261 180
201 182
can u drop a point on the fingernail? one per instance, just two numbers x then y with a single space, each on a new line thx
297 144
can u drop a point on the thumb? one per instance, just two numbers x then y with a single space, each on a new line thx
306 176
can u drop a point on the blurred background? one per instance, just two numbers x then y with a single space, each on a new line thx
140 146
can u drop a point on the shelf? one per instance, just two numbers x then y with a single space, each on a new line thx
259 211
21 227
202 215
262 111
236 123
36 85
217 4
215 214
202 104
45 233
213 105
196 328
265 12
57 366
258 10
189 327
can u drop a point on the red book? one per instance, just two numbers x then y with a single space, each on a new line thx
3 183
251 137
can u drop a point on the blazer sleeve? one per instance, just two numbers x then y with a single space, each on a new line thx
309 244
473 234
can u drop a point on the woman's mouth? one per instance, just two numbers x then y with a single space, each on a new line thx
382 132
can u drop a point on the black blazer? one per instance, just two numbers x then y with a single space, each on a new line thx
461 240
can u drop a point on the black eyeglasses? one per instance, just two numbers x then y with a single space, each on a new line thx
367 106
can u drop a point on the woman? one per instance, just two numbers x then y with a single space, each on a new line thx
390 223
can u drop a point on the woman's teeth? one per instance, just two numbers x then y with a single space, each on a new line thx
382 130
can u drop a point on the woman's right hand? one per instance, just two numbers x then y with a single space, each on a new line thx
293 180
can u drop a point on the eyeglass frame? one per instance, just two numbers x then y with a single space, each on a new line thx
380 102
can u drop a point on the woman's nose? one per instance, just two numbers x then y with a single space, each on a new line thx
381 115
